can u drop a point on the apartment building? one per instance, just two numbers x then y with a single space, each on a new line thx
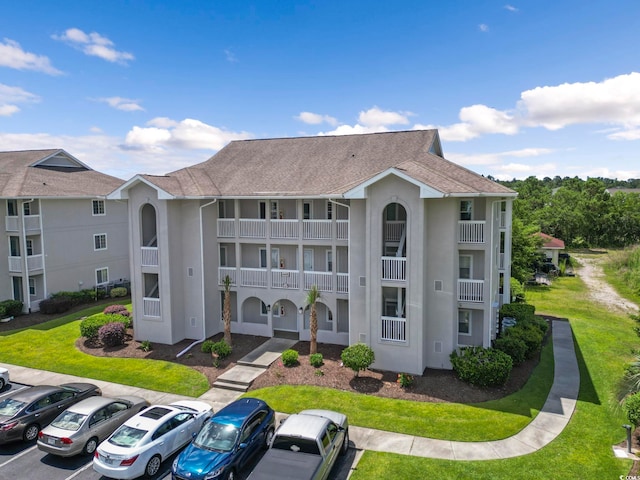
61 233
410 252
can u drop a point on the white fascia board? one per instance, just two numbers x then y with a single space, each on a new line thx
122 192
426 191
65 153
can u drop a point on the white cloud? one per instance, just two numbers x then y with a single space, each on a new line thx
162 122
316 118
186 134
476 120
93 44
10 96
511 8
13 56
374 118
483 27
125 104
230 56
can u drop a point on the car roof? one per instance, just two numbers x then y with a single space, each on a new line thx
90 404
303 426
32 393
237 412
153 416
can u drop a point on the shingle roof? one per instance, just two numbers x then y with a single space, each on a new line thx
551 242
50 173
324 166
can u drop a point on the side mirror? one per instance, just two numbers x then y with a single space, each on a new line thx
242 446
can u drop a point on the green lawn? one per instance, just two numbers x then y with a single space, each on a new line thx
50 346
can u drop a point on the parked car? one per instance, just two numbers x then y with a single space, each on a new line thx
81 427
4 378
25 412
226 442
305 447
142 443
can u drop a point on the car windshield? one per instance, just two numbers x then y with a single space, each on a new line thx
127 437
69 421
9 407
217 436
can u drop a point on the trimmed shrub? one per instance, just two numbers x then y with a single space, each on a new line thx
77 298
90 326
519 311
316 360
528 333
206 346
512 346
483 367
10 308
55 305
357 357
632 408
289 358
222 349
118 292
117 310
112 334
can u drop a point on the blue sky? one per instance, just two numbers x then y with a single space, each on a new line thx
540 88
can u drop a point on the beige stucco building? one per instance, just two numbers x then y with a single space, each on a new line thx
411 252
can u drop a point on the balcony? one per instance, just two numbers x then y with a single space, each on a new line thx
288 229
471 231
471 291
343 283
11 224
226 227
323 280
288 279
253 277
149 256
34 262
394 268
285 229
31 223
151 307
224 271
394 329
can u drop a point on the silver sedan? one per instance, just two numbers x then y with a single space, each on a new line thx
81 427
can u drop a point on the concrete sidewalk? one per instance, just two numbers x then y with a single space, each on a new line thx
547 425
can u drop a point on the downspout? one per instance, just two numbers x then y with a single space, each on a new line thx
348 261
23 246
491 273
204 335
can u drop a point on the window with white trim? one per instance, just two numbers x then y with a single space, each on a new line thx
32 286
329 210
329 260
464 322
465 267
100 241
26 208
98 207
307 210
466 210
223 256
102 276
29 244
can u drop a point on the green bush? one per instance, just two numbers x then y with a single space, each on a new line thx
512 346
483 367
517 290
222 349
357 357
316 360
206 346
53 305
77 298
10 308
118 292
528 333
519 311
632 408
112 334
289 358
90 326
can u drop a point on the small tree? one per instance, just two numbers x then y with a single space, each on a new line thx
312 298
226 310
357 357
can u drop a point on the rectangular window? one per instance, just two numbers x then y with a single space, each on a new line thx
329 210
29 245
14 245
102 276
98 207
26 207
262 210
465 267
274 210
307 211
263 257
464 322
12 208
466 210
32 286
221 209
223 256
100 241
329 261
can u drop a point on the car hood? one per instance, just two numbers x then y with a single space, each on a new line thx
198 461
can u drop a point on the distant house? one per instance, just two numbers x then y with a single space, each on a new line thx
62 234
409 251
551 247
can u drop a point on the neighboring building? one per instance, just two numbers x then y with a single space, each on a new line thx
410 251
551 247
61 232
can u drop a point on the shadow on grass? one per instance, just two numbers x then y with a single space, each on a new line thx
588 391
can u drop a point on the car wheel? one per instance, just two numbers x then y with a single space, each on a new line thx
153 466
267 438
31 432
90 446
1 383
345 443
231 475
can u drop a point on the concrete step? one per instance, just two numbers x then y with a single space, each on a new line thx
236 387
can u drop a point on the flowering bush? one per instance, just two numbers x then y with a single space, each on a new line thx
116 309
112 334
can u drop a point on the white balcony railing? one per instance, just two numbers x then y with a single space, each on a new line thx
394 268
393 230
15 264
253 228
226 227
316 229
11 224
343 283
285 279
288 228
470 290
471 231
224 271
343 229
323 280
151 307
253 277
149 256
31 222
35 262
394 329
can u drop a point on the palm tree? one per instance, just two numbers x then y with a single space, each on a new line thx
226 310
312 298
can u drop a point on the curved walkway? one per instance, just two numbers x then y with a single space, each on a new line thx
547 425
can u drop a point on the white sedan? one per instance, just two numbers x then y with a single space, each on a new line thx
143 442
4 377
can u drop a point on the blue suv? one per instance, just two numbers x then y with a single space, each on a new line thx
226 442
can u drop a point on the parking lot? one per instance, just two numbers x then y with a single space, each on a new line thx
25 460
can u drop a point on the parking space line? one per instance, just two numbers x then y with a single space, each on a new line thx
78 472
18 456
